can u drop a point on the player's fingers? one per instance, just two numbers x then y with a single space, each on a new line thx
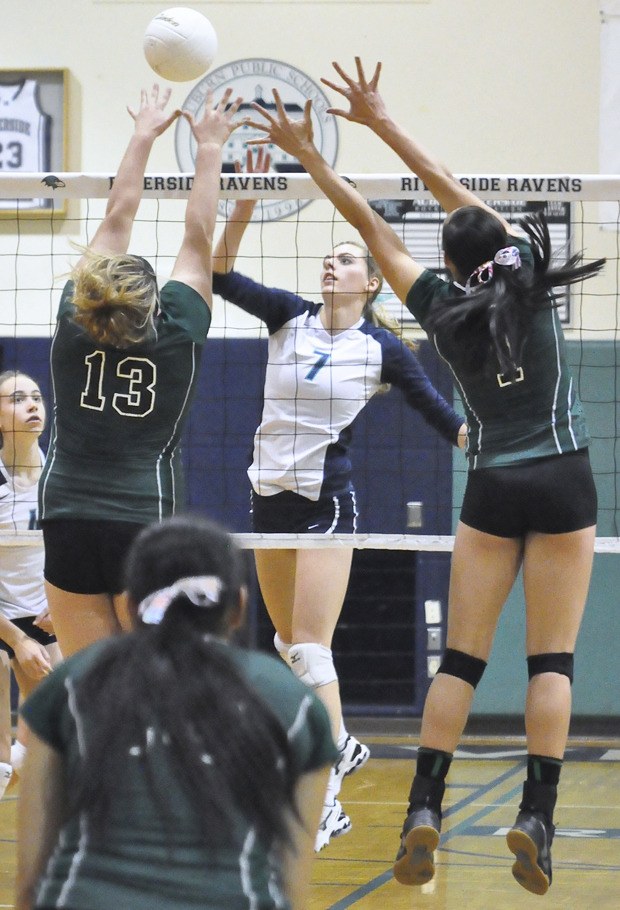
234 107
223 102
338 113
350 82
375 77
263 113
263 160
264 141
279 105
166 98
263 127
336 88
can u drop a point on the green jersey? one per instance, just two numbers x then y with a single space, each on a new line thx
509 422
147 860
118 415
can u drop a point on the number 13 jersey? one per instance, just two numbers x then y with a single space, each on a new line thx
119 414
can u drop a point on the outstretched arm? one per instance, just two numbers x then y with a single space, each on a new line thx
193 265
151 120
366 106
296 138
228 245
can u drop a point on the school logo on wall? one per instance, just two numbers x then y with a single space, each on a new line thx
253 80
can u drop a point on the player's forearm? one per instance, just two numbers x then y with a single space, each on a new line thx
351 205
10 633
127 188
433 173
201 211
227 247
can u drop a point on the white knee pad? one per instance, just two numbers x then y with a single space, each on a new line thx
282 647
313 664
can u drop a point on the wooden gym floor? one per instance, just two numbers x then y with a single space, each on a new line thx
473 862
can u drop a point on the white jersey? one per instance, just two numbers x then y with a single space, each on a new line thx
24 135
316 384
22 592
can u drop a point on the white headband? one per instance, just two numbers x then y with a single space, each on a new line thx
203 591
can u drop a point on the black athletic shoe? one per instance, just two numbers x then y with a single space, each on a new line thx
530 840
415 864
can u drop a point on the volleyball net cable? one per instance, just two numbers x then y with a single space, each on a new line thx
284 247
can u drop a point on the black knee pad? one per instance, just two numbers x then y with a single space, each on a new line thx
463 666
562 663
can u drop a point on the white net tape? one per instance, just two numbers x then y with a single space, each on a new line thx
422 542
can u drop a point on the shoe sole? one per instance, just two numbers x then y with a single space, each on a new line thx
526 869
417 866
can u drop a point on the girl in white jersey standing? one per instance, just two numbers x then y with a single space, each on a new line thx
326 360
530 501
25 629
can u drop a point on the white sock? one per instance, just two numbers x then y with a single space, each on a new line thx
333 788
5 776
342 735
282 647
18 754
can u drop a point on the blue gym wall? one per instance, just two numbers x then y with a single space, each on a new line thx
397 459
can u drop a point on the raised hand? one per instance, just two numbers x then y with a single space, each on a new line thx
258 165
216 123
292 136
151 117
365 103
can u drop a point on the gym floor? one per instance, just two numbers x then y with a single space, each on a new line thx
473 863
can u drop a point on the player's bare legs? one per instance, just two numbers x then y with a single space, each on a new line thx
80 619
304 591
276 576
556 577
475 603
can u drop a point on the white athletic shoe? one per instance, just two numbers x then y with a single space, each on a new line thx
334 822
353 756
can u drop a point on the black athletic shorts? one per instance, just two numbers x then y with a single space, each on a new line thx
290 513
26 624
551 495
87 557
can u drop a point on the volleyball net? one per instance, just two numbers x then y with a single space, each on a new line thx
409 482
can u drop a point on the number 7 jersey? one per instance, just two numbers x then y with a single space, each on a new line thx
119 414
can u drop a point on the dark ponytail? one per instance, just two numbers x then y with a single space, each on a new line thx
488 326
173 690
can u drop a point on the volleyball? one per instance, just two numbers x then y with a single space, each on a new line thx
180 44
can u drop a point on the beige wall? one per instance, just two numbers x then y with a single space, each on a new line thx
491 87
